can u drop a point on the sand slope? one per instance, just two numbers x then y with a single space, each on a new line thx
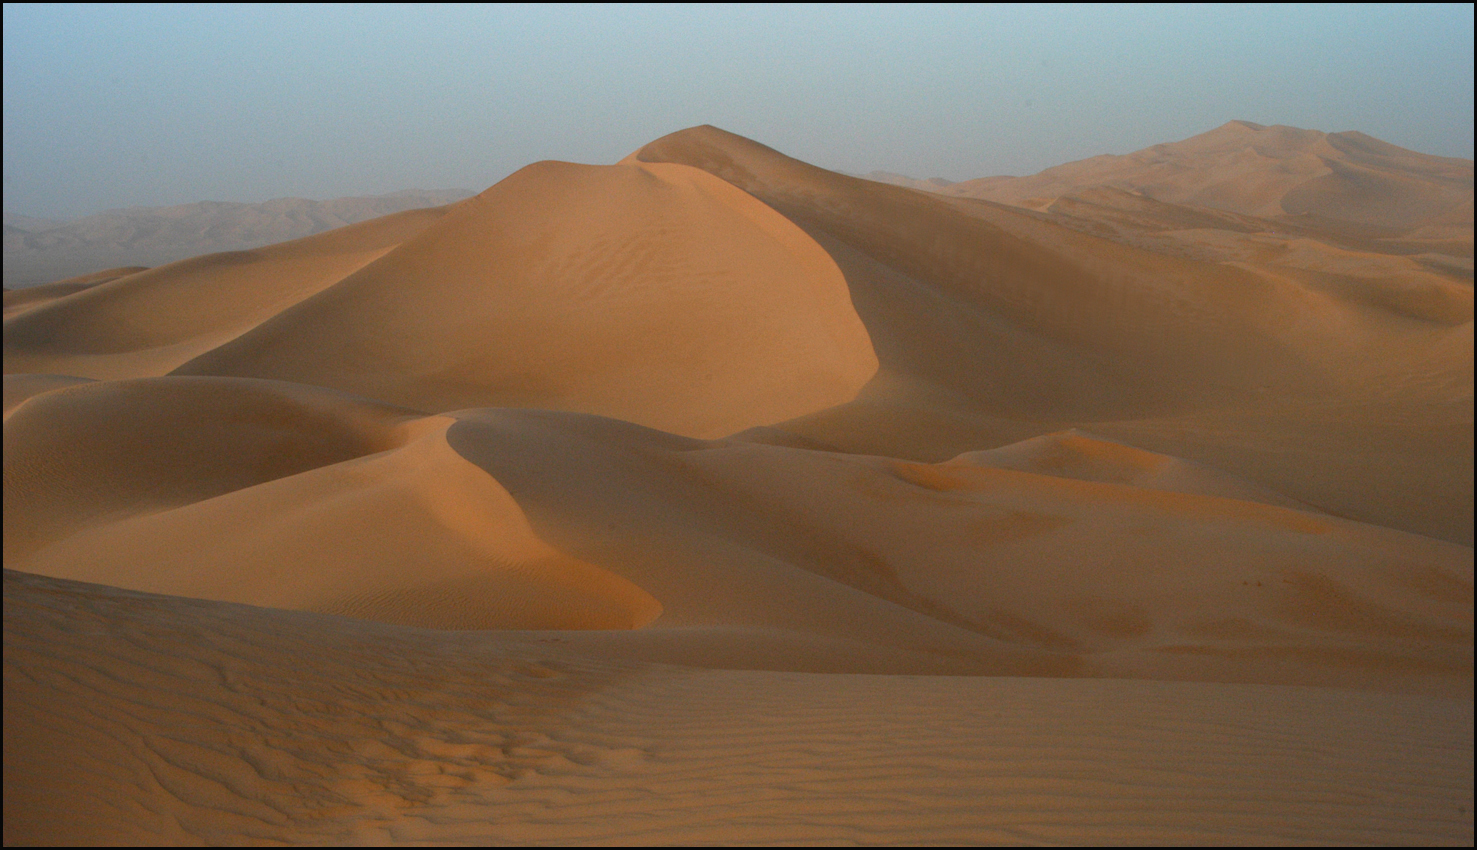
307 499
203 722
656 294
149 322
715 497
295 498
995 324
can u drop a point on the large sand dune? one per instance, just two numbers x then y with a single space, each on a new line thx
713 496
657 294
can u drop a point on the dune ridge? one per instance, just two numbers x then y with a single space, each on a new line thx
711 496
655 294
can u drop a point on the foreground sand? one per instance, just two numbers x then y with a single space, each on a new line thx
712 496
215 723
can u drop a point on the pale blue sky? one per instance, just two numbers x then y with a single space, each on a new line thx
113 106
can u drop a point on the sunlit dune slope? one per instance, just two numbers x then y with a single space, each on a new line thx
653 293
1109 576
304 498
149 322
287 496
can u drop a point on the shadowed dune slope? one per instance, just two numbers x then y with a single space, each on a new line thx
657 294
304 498
1107 578
995 324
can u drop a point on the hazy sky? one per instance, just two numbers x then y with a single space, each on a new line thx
113 106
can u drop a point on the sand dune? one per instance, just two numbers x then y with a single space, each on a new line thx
308 500
1073 454
44 250
993 325
305 499
657 294
20 300
147 323
1259 170
715 497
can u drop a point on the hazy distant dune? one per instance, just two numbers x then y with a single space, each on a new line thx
45 250
1265 171
149 322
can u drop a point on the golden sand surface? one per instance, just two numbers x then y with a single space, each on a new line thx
713 497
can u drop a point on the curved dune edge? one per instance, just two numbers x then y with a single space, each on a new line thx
657 294
1130 564
285 496
22 386
160 720
1029 572
1289 366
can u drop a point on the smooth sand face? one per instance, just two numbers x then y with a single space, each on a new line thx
656 294
714 497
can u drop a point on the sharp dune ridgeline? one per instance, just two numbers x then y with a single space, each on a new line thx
712 496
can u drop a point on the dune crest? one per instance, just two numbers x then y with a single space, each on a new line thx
295 498
655 294
714 497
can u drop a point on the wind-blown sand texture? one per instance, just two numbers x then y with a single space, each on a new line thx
715 497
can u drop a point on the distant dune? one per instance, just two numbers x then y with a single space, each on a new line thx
711 496
45 250
1254 169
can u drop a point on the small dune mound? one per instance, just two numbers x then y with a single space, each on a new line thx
1075 454
22 386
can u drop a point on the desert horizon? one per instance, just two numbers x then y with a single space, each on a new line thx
712 496
796 425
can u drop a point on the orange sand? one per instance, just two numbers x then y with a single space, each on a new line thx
714 497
